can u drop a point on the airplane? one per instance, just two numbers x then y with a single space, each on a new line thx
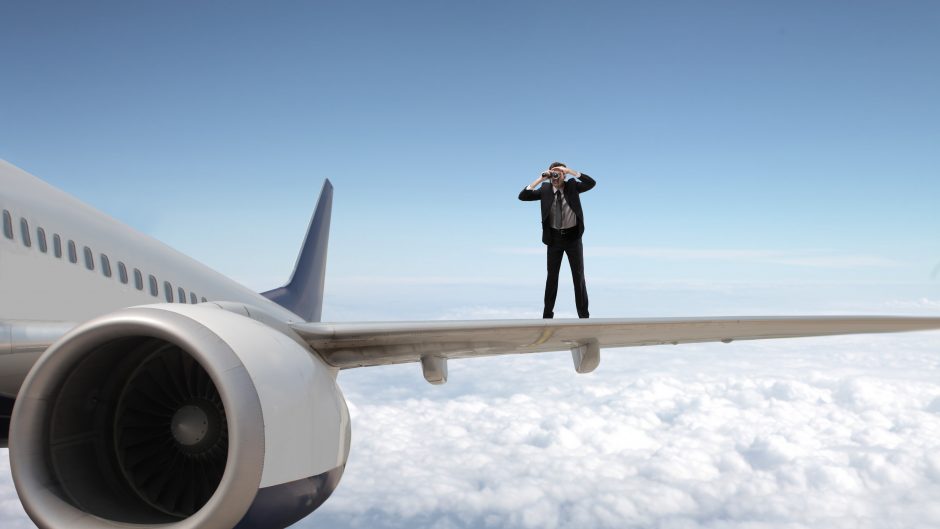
140 387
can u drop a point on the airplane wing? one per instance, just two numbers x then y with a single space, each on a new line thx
349 345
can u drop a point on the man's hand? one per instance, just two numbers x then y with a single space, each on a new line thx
566 170
538 181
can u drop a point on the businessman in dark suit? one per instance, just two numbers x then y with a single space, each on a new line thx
562 227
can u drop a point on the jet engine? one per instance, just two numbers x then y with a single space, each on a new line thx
183 416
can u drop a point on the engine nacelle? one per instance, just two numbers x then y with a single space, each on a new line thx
188 416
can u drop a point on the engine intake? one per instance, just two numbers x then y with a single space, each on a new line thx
162 415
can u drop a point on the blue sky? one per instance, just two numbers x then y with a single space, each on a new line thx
731 141
751 158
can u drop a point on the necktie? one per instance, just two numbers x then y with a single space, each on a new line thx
558 219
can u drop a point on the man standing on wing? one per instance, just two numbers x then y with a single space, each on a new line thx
562 226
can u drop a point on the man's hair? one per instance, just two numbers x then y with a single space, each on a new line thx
556 164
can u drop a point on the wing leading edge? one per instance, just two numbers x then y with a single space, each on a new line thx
349 345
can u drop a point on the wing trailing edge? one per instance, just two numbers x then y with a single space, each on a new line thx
303 294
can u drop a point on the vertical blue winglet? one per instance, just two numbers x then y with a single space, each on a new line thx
303 294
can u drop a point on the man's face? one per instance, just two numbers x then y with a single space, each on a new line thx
558 177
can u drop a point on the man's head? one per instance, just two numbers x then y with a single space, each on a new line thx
558 177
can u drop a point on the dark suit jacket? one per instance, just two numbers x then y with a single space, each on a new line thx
546 193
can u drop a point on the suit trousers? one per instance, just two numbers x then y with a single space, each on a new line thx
559 247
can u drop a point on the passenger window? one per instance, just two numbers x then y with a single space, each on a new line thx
182 296
122 272
57 245
7 224
138 279
168 291
89 259
105 265
24 230
192 298
41 238
153 285
73 253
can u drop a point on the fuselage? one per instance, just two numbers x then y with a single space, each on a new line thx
62 260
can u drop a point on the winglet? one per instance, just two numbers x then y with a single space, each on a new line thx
303 294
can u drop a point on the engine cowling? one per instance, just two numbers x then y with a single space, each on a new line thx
188 416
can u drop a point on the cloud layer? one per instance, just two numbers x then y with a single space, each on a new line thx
809 258
805 433
829 432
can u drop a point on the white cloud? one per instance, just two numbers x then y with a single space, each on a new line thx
429 280
829 432
12 514
483 312
922 304
807 258
838 432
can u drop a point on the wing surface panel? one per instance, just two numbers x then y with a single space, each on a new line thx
348 345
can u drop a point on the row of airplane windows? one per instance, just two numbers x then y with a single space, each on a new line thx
106 270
